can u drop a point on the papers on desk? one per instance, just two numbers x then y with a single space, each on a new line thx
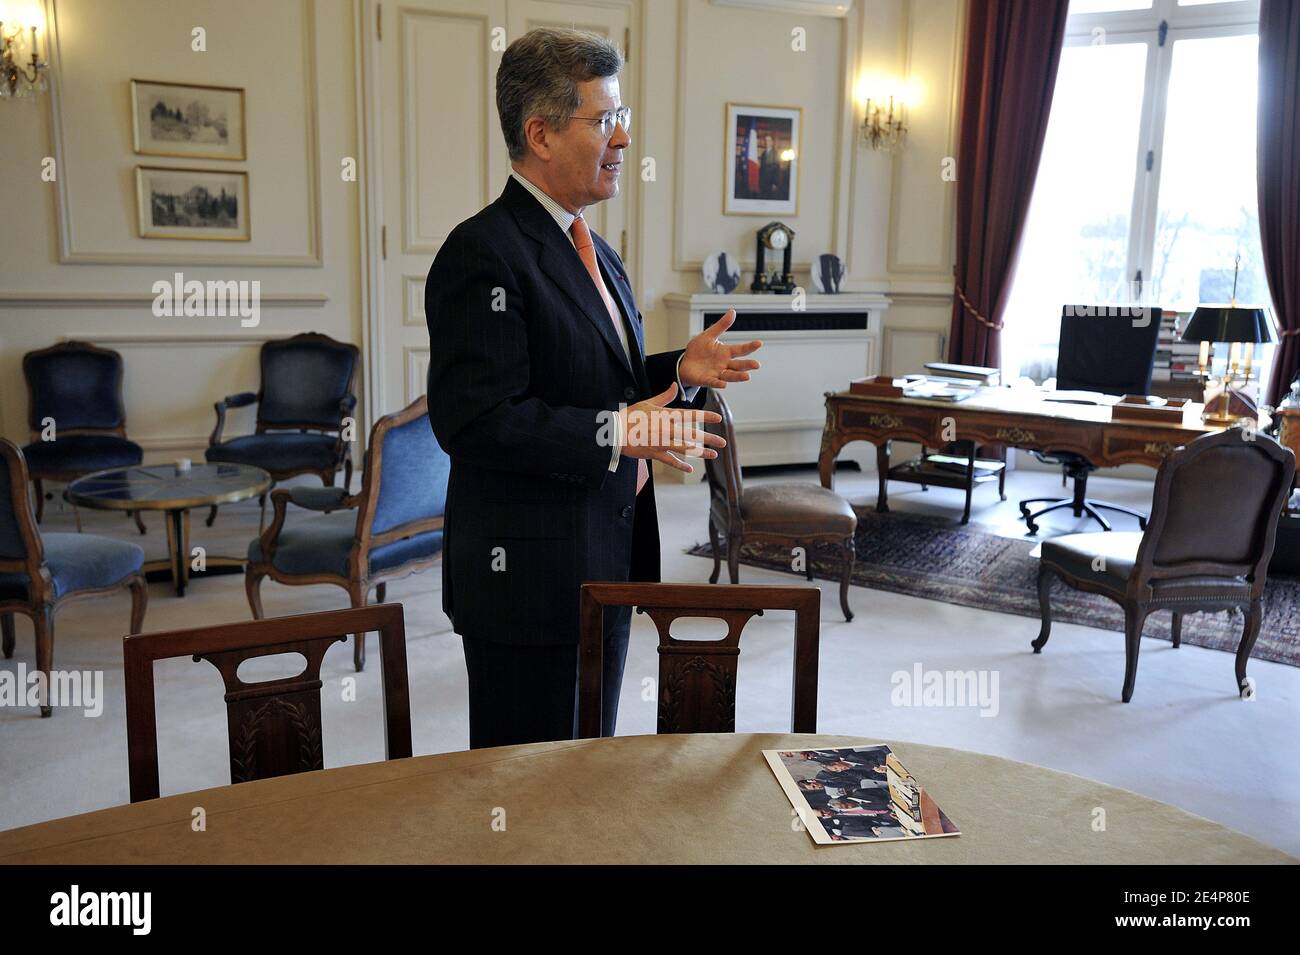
856 794
1080 397
934 388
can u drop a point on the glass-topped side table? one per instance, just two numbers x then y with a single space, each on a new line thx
161 487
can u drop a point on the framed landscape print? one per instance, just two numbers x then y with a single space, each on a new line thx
761 160
179 119
192 203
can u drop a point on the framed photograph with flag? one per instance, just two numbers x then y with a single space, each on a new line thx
761 160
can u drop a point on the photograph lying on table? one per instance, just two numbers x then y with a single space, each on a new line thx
856 794
181 119
192 203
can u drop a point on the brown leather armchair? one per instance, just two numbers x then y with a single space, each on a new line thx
1206 547
796 513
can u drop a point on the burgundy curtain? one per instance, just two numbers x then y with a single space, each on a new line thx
1278 171
1013 48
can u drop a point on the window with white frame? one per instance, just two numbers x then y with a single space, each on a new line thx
1146 188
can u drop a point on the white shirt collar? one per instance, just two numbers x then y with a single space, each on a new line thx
563 217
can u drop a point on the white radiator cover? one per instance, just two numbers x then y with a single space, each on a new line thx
780 412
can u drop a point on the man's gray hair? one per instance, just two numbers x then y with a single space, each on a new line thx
539 76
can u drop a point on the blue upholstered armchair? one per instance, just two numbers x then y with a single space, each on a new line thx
307 383
389 529
78 387
38 574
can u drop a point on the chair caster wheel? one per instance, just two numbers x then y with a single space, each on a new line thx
1248 689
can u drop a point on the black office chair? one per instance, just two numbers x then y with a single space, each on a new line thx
1107 349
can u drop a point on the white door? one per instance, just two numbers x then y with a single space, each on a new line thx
438 154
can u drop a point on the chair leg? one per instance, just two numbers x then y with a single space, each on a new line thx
849 555
347 474
1134 616
1176 630
7 634
253 588
261 517
1044 607
38 488
1249 634
733 556
76 517
1002 480
139 521
1096 516
381 592
212 514
43 623
1029 518
139 601
1141 518
717 551
358 594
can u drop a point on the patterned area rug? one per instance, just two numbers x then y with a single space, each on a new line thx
938 559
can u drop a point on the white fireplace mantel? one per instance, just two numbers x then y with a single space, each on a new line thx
833 339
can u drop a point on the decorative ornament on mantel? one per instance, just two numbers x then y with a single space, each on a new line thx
778 237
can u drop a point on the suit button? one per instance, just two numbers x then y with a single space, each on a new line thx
627 510
629 394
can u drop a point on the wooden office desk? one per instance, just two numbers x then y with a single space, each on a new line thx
1007 417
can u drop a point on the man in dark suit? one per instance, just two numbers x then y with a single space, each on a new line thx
541 392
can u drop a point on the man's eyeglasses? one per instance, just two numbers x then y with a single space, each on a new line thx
621 116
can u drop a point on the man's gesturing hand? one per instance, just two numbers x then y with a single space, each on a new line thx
657 433
710 363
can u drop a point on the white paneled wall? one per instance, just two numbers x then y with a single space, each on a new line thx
314 74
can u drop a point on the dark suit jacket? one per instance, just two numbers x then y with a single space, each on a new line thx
523 361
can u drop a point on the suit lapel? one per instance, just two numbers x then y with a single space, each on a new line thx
562 265
616 280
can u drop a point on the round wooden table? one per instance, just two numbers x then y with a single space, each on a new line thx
646 799
160 487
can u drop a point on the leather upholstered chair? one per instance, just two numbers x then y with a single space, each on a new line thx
77 387
389 529
798 514
306 392
1206 547
39 573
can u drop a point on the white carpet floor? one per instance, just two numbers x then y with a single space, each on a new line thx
1186 738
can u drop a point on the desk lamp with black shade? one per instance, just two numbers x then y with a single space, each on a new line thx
1243 327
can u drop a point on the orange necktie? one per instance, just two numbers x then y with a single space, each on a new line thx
587 252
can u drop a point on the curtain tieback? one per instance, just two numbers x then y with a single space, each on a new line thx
1289 333
970 307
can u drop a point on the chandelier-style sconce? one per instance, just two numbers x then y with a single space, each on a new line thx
884 105
22 71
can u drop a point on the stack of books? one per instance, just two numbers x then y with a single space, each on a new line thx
975 373
1176 360
1164 346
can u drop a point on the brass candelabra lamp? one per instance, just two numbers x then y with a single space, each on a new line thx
1242 327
